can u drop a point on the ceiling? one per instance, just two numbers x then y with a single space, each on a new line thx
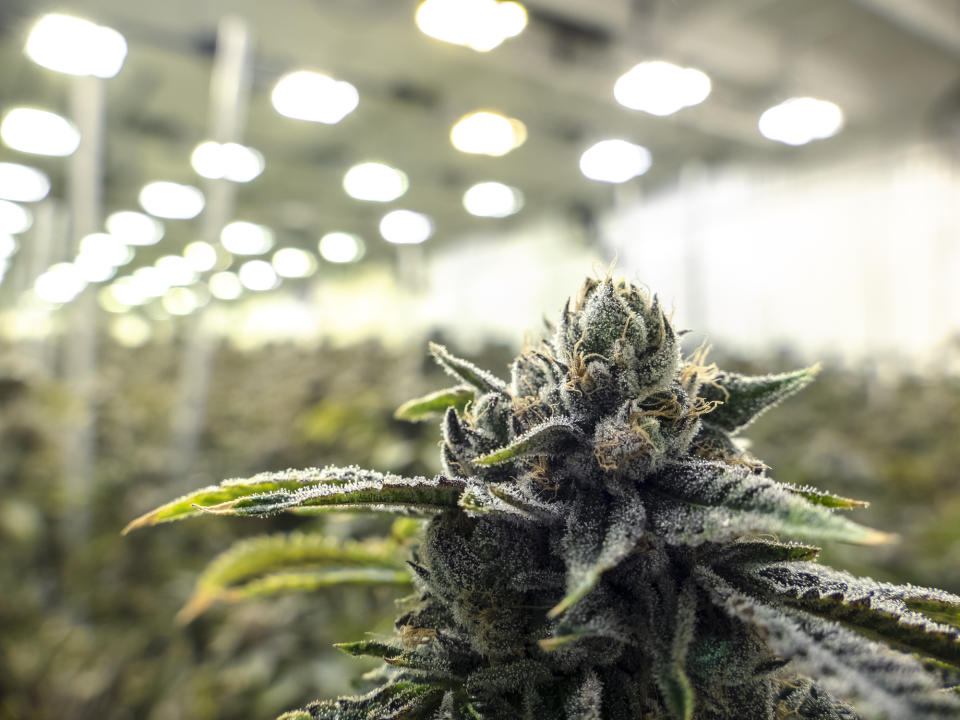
892 65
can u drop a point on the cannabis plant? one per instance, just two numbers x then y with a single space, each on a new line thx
600 546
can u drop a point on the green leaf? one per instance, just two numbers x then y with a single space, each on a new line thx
626 527
267 555
546 438
417 496
860 603
396 701
295 715
467 371
670 666
704 501
435 404
764 551
371 648
745 398
313 580
193 503
881 681
827 499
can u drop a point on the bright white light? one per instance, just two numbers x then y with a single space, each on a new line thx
175 270
130 330
225 286
8 246
661 88
258 275
107 249
150 282
171 200
374 181
230 161
487 133
615 161
294 263
341 247
14 219
92 268
800 120
478 24
39 132
492 199
305 95
59 284
76 47
134 228
22 183
180 301
125 291
406 227
109 302
246 238
200 256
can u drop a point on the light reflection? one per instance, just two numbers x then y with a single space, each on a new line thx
75 46
134 228
22 184
315 97
294 263
341 247
39 132
801 120
661 88
61 283
375 182
246 238
614 161
258 275
487 133
229 161
492 199
478 24
14 219
406 227
225 285
171 200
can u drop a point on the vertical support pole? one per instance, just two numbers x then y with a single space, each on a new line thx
692 178
229 96
85 179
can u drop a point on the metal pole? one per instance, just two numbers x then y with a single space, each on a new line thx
85 179
229 96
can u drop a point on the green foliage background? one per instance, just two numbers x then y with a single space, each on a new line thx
87 630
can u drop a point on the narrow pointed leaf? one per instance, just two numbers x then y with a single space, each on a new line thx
313 580
371 648
825 498
417 496
860 603
627 525
745 398
466 371
435 404
396 701
764 551
255 557
670 666
712 501
879 680
193 503
546 438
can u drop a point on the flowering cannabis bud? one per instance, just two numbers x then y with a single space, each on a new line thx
599 547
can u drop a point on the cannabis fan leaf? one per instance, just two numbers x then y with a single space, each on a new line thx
598 547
